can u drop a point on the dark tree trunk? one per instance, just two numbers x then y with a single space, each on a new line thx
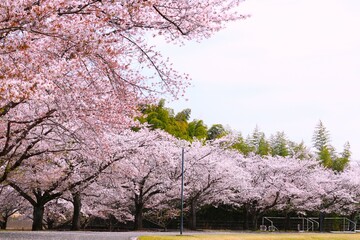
246 218
138 216
110 225
38 214
251 218
287 221
321 221
192 219
3 223
76 223
254 221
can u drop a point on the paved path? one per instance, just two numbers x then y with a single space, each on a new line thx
45 235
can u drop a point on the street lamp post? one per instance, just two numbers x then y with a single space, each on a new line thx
182 192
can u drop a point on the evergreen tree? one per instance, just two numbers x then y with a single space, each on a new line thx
257 141
279 145
321 142
264 148
341 162
325 157
254 139
326 153
321 137
346 153
242 146
299 150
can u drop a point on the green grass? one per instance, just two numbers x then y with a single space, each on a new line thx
260 236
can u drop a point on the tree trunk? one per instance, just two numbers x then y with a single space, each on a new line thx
287 221
246 218
77 212
138 216
321 221
254 221
192 219
3 223
38 213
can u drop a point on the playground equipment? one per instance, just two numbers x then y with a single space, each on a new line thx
270 228
307 224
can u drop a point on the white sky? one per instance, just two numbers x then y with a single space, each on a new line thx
293 63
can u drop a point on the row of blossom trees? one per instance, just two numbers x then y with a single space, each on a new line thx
141 178
73 71
72 76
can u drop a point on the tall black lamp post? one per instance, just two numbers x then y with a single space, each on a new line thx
182 193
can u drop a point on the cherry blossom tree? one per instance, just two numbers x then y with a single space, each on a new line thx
103 198
56 213
350 182
87 63
210 170
11 203
337 193
149 176
300 189
104 38
100 199
43 179
21 136
263 191
274 183
70 68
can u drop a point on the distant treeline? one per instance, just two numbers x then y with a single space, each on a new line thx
278 144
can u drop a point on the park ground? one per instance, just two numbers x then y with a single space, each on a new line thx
259 236
57 235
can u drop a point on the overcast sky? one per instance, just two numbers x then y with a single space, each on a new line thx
293 63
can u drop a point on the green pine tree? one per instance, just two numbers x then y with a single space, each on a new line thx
279 145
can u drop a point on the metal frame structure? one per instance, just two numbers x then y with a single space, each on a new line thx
308 224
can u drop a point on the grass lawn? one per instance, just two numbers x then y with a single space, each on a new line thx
259 236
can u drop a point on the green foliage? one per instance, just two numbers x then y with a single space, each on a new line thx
216 131
254 139
341 162
242 146
300 150
324 156
321 137
346 153
264 147
279 145
160 117
184 115
326 153
197 129
258 142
